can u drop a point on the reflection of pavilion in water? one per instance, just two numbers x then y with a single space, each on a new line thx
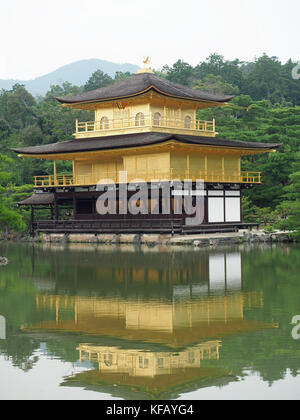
147 363
157 375
123 273
190 316
195 312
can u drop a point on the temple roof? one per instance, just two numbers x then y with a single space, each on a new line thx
136 140
161 387
38 199
141 83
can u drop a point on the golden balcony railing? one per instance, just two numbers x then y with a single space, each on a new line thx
150 122
147 176
53 181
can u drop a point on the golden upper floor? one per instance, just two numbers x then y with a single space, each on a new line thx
162 120
142 103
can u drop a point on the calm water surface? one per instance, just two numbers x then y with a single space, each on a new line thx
104 322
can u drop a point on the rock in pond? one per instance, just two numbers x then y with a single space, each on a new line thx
3 261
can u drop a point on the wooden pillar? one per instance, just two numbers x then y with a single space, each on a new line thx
195 117
32 215
188 166
74 204
54 172
55 208
31 231
223 169
74 172
51 211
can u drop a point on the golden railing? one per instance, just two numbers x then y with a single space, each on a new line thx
148 176
145 121
53 181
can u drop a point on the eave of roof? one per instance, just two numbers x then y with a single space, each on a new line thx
38 199
137 140
139 84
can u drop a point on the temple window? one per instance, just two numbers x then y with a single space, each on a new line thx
157 119
191 357
104 124
160 362
139 119
143 363
187 122
108 359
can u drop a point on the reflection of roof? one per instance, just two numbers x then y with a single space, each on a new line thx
141 83
109 327
40 198
137 139
159 387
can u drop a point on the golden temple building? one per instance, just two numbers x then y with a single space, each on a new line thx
144 128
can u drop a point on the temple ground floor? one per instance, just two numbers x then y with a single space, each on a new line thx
216 208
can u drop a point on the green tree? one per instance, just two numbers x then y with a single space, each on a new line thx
290 207
120 75
10 219
266 79
181 73
214 84
229 71
97 80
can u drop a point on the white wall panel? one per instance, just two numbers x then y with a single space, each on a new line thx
215 209
216 193
233 209
233 193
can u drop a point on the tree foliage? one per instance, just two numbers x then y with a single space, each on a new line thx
97 80
290 207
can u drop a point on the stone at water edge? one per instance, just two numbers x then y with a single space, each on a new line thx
3 261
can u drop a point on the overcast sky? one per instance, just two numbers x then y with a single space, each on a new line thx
38 36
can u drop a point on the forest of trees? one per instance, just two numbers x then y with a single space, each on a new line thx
265 87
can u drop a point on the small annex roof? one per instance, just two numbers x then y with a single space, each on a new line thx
141 83
38 199
137 140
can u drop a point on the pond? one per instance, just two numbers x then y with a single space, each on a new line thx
138 323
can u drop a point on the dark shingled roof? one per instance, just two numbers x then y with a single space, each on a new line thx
139 83
38 199
135 140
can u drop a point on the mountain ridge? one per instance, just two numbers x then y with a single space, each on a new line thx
76 73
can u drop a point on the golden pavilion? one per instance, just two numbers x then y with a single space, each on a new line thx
144 128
